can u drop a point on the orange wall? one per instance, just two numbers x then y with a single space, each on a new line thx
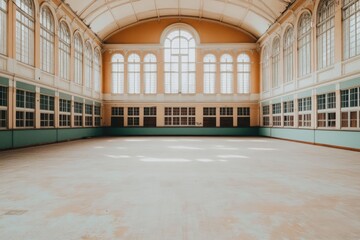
209 32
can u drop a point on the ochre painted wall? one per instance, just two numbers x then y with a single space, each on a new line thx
209 32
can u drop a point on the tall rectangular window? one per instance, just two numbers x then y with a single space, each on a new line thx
209 117
117 116
288 113
243 116
25 31
351 28
150 74
276 114
226 74
326 112
226 117
350 108
304 44
3 107
3 26
149 116
304 109
88 115
133 116
25 108
47 111
65 112
243 73
266 115
97 116
47 40
325 33
134 74
209 73
78 113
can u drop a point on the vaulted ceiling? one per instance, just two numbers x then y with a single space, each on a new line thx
107 16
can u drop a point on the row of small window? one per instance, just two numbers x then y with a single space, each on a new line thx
25 110
86 57
349 98
180 116
349 119
325 42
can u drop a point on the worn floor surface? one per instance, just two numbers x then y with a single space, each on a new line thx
188 188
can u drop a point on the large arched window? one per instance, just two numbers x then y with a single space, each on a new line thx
265 69
150 73
134 74
78 58
275 60
325 33
304 44
88 64
25 31
179 58
288 55
3 26
47 36
226 74
64 51
117 73
209 73
97 68
243 73
351 28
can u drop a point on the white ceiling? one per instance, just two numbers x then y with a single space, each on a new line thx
107 16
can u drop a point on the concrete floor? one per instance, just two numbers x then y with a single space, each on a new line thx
170 188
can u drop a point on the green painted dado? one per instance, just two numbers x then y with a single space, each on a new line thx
77 133
31 137
347 139
178 131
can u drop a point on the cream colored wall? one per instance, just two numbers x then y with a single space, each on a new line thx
16 71
331 76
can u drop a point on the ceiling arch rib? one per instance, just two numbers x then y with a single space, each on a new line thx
107 16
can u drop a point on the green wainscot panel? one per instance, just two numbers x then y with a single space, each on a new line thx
349 139
68 134
30 137
6 139
178 131
304 135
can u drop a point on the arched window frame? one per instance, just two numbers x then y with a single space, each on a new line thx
150 73
97 70
117 73
88 64
209 73
25 29
265 64
351 28
3 26
325 33
304 44
288 55
226 74
64 50
47 39
133 63
180 62
78 58
275 62
243 73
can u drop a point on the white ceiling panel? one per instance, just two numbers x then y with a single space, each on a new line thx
107 16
